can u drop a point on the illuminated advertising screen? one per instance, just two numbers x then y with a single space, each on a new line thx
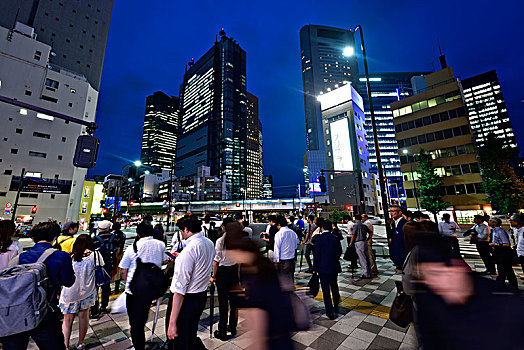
314 187
341 145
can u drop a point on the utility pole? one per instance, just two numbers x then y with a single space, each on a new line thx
20 184
169 195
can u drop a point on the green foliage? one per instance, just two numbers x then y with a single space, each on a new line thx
504 188
337 215
430 185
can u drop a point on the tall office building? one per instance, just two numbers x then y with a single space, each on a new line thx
487 110
267 187
254 162
327 63
385 89
160 133
76 31
436 120
213 116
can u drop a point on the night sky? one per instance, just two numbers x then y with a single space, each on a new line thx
151 42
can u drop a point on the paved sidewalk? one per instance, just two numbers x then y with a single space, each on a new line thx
363 323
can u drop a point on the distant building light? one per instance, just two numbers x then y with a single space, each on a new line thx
370 79
23 111
44 116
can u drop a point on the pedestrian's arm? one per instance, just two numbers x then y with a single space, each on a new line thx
67 273
352 239
214 275
276 255
123 273
178 299
457 228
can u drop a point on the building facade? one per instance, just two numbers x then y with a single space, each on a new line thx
326 65
487 110
436 120
90 204
213 116
159 138
267 187
76 31
33 140
255 163
347 157
385 89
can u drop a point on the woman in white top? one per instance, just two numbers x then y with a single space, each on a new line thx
8 248
81 295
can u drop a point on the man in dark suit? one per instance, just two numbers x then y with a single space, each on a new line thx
397 243
327 253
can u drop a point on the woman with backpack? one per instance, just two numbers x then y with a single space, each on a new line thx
82 294
8 248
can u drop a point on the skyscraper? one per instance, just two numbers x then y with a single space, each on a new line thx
160 133
487 110
213 116
326 65
386 88
267 187
254 148
76 31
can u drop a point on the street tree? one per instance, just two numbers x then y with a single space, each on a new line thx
430 185
504 188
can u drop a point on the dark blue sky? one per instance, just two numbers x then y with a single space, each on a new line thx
151 42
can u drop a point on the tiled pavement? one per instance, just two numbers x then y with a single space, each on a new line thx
363 323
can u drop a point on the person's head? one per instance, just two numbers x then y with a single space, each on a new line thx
346 218
191 226
517 220
319 221
245 223
7 231
494 222
226 221
82 243
335 224
365 217
117 226
159 227
478 219
327 225
70 228
358 217
292 219
148 219
417 215
104 226
144 229
207 219
271 219
408 215
281 221
446 217
418 231
395 211
311 218
45 232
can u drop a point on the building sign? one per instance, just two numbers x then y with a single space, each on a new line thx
110 203
41 185
341 145
87 191
314 187
84 207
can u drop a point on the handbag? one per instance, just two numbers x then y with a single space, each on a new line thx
101 275
300 312
401 312
314 285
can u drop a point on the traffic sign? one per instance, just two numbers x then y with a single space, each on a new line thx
8 205
7 212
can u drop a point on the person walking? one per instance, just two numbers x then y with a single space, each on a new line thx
82 294
480 235
107 244
396 240
225 275
48 334
372 258
66 240
148 250
360 240
285 247
8 247
347 228
121 240
193 267
517 223
502 252
327 253
269 236
308 241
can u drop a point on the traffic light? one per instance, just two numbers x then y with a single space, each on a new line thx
348 207
131 203
322 180
86 151
104 210
34 209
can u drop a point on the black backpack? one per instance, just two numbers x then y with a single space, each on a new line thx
108 250
149 281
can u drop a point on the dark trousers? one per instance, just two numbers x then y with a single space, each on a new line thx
329 286
485 254
353 255
47 336
503 258
521 259
309 250
286 268
138 311
454 244
226 280
187 323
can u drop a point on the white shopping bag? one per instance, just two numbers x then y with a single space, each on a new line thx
119 305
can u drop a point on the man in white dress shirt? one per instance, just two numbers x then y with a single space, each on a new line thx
372 258
285 247
189 286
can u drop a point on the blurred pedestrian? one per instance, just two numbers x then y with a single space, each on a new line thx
371 252
448 229
502 253
397 242
8 247
308 241
359 240
82 294
269 236
326 255
285 249
249 230
517 222
480 236
193 267
66 240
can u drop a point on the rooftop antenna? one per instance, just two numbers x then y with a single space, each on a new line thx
442 58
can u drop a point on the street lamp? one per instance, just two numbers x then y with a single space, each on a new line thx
348 51
412 177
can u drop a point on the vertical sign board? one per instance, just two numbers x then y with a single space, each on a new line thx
341 145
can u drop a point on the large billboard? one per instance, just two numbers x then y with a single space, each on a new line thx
41 185
341 145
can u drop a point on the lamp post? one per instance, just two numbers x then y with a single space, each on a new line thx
412 178
348 51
